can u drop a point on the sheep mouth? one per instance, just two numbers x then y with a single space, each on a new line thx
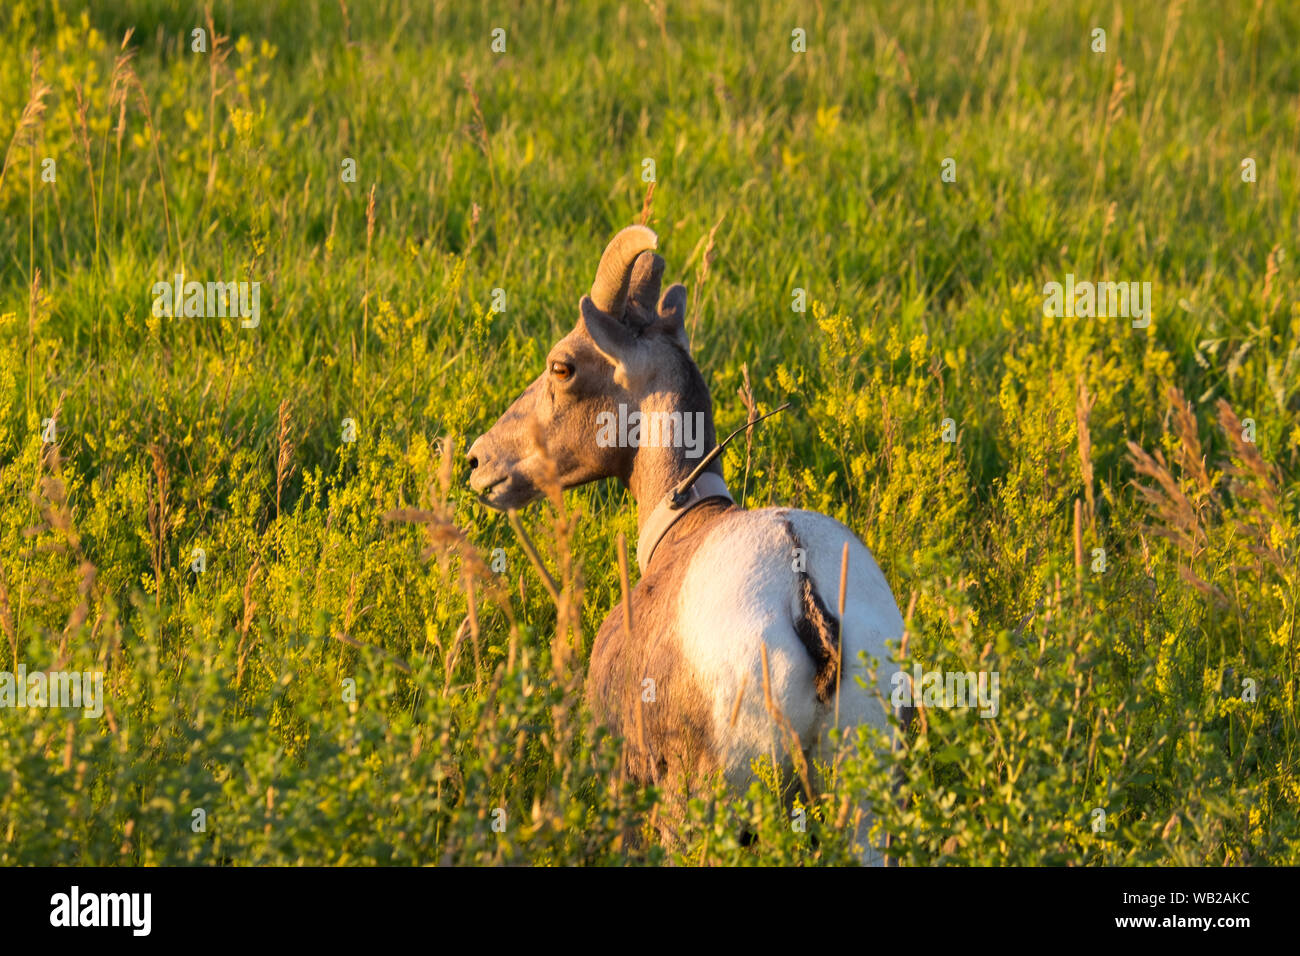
483 485
503 492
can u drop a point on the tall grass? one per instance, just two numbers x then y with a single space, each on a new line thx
351 679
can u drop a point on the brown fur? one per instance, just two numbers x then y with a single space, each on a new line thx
672 744
654 470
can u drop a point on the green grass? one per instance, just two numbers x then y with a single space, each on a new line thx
1120 690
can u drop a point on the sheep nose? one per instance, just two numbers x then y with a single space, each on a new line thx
477 453
483 473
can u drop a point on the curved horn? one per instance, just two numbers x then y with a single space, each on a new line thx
609 290
643 289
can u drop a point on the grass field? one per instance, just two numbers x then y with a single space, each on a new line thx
348 680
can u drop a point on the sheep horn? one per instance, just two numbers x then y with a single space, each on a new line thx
643 289
609 290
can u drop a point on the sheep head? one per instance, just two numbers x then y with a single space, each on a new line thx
628 345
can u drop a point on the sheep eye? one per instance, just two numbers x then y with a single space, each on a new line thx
561 371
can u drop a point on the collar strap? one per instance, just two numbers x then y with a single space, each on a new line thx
667 512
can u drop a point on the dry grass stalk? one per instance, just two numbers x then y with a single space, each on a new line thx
365 280
839 649
349 619
51 501
478 130
1257 490
81 128
787 730
1178 520
1119 91
647 204
451 657
347 23
918 708
534 558
746 393
158 518
703 275
567 592
1270 273
7 617
471 618
245 625
1083 413
133 79
393 659
35 303
625 586
659 10
286 447
86 574
1078 547
1190 457
446 538
220 51
1184 510
118 87
740 696
31 119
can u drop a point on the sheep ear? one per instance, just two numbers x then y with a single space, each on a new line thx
614 339
617 342
671 320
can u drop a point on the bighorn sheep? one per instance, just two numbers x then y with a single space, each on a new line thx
718 583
